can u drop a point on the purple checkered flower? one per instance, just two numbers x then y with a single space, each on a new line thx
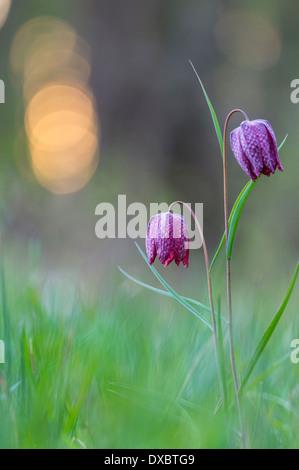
255 148
168 238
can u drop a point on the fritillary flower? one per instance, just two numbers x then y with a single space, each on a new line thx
255 148
168 238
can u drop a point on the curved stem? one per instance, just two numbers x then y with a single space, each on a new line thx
209 289
228 279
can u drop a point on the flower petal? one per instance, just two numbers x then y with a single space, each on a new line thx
251 146
273 144
269 160
164 242
152 231
239 154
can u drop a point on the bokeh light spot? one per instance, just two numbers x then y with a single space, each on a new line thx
4 11
61 121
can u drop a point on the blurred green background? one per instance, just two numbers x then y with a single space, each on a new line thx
157 141
100 101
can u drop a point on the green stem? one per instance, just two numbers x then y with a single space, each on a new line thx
228 281
214 329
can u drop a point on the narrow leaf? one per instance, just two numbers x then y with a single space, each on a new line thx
221 244
173 293
163 292
236 217
282 143
167 294
213 114
268 333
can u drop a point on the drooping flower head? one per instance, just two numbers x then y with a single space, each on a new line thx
168 238
254 145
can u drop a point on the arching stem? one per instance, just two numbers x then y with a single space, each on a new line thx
198 226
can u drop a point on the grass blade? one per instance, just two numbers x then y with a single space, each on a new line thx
213 114
6 319
173 292
268 333
269 370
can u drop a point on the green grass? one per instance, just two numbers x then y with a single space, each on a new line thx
133 369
